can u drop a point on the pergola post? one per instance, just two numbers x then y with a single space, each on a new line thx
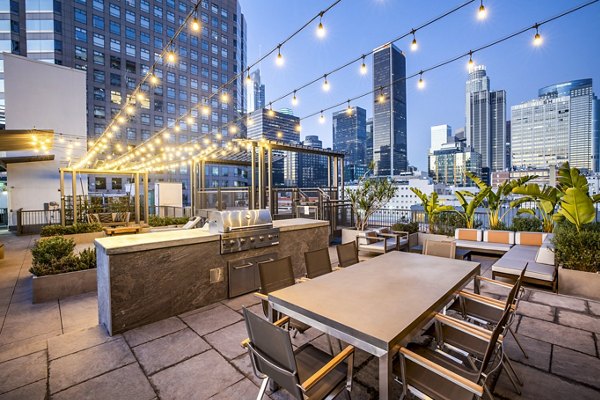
62 197
192 185
137 197
261 177
342 178
252 177
201 178
335 172
74 191
328 172
270 179
146 198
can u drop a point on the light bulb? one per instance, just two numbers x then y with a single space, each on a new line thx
321 30
177 128
482 13
322 118
205 110
224 97
120 119
381 97
363 67
294 99
326 85
189 120
471 63
279 60
233 129
195 24
248 79
130 109
154 79
298 127
414 46
537 39
140 96
270 112
349 109
421 83
279 134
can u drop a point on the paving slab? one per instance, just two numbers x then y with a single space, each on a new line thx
594 307
126 383
244 365
212 319
198 378
542 386
22 348
153 331
24 321
169 350
305 337
538 351
78 312
577 320
22 371
78 367
73 342
576 366
534 310
556 300
227 340
237 303
565 336
33 391
243 389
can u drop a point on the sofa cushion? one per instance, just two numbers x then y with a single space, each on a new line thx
545 254
495 247
530 238
509 266
468 234
378 246
543 272
506 237
105 218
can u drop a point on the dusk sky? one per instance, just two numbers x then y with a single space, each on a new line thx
570 51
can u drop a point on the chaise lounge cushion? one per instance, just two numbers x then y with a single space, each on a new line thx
369 241
496 247
468 234
504 237
530 238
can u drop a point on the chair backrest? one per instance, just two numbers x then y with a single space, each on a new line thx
276 274
271 352
366 237
439 249
347 254
493 343
317 262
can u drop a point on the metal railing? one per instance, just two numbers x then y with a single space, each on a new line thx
3 218
170 211
222 198
30 222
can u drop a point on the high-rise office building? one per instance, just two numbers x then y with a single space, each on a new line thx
255 93
508 146
312 168
389 119
116 42
486 120
451 162
275 125
369 146
349 136
560 125
440 135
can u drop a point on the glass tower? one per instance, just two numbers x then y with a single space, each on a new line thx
389 120
312 168
369 146
256 93
349 136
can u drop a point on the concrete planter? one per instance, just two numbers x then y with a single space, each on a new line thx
579 283
81 238
432 236
54 287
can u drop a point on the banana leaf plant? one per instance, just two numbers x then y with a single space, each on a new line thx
545 199
469 203
495 199
431 206
370 195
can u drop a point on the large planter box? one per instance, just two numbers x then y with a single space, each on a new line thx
579 283
81 238
54 287
349 235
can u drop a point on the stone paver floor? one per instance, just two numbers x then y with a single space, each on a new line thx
57 350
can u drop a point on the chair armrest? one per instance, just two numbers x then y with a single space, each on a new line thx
503 284
482 299
326 369
443 372
261 296
464 327
402 233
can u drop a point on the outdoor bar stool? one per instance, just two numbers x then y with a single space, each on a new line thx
306 373
347 254
317 263
436 248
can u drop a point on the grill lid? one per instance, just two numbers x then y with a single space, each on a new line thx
228 221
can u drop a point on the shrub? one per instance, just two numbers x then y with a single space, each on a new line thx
526 224
500 226
55 255
59 230
165 221
411 227
578 250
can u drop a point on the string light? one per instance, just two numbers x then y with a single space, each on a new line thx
381 95
414 46
294 99
348 108
140 96
279 60
130 109
224 97
482 13
248 78
470 64
195 24
537 39
298 127
326 85
189 120
421 83
171 57
322 118
321 28
205 110
154 79
270 112
363 66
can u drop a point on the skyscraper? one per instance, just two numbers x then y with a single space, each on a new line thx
389 120
312 168
486 120
440 135
369 146
255 93
349 136
116 43
560 125
450 163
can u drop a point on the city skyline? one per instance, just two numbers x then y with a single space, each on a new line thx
515 58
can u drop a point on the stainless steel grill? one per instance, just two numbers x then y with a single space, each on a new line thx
242 230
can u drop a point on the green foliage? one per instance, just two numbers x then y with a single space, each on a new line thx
154 220
411 227
431 206
470 206
55 255
370 195
578 249
545 200
500 226
526 224
59 230
576 205
446 223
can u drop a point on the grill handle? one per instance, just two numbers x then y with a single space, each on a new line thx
248 265
237 228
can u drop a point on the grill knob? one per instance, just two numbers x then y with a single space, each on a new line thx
232 242
261 238
270 237
252 239
242 240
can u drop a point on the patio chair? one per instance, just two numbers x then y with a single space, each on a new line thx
424 371
347 254
317 263
371 242
399 238
306 373
440 249
275 275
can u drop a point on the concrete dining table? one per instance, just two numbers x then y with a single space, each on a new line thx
377 305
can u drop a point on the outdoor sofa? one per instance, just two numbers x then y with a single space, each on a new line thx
381 240
110 219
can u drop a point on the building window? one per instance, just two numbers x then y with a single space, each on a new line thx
98 5
99 76
99 112
130 16
80 53
116 183
98 40
98 58
145 54
115 45
80 15
130 67
115 62
129 33
158 121
145 119
99 94
116 97
145 6
115 80
98 22
115 28
130 50
115 10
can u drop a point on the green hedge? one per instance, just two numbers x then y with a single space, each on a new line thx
526 224
578 250
165 221
59 230
56 255
411 227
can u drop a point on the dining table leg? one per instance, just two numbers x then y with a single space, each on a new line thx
385 376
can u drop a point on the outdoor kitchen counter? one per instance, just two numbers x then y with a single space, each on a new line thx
295 224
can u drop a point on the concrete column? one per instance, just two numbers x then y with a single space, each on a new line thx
74 191
62 197
192 185
252 205
335 172
202 181
341 195
146 199
328 172
137 197
270 179
261 177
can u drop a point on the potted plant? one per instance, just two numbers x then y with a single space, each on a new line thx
369 196
59 272
80 232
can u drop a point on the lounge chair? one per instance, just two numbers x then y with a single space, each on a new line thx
371 242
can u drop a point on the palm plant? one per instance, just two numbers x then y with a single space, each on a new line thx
431 206
370 195
470 206
495 199
576 205
545 199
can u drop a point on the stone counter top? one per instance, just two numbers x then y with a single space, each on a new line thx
295 224
154 240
